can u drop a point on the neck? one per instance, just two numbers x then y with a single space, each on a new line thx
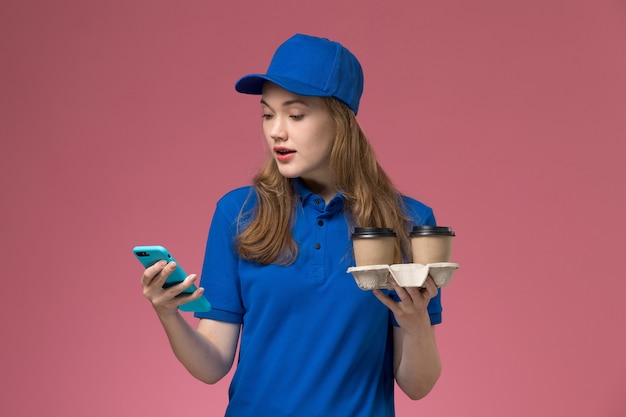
326 191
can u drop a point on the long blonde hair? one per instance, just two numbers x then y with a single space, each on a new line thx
370 197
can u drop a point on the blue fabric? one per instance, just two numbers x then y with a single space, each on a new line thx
311 66
312 342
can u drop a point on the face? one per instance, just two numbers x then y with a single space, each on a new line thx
300 133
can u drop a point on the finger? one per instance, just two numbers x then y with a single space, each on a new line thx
163 275
175 295
430 288
402 292
415 292
183 298
406 294
385 299
151 272
179 290
427 291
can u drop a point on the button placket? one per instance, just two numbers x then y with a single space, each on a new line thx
319 240
320 234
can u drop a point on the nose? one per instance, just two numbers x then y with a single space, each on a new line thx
277 129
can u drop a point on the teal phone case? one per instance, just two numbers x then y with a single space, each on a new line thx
149 255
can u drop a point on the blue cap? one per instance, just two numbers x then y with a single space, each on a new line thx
311 66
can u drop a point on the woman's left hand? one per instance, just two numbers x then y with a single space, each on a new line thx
412 305
416 361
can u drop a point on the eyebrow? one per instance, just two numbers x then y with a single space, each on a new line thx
287 103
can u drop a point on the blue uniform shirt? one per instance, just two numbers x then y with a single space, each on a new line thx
312 342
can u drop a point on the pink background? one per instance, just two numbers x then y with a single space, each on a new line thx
120 126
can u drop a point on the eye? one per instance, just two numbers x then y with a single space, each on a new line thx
297 116
266 116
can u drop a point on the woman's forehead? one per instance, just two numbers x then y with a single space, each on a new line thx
274 95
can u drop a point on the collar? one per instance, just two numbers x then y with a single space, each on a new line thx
306 195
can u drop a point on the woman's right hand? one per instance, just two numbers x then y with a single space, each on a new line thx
207 352
167 300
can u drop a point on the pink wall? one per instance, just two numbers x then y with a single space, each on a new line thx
119 126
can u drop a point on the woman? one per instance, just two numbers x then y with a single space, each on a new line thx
311 342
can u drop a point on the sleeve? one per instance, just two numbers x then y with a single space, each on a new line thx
220 278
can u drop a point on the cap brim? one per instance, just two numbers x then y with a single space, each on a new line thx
253 84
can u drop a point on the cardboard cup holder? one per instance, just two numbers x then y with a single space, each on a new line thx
406 275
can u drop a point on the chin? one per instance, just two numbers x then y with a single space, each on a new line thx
288 173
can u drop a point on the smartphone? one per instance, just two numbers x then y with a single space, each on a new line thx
149 255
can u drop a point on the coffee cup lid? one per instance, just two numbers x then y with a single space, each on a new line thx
370 232
432 230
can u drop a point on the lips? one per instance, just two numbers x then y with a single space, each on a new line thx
282 151
283 154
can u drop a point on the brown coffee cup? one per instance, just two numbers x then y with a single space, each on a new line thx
373 245
431 244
